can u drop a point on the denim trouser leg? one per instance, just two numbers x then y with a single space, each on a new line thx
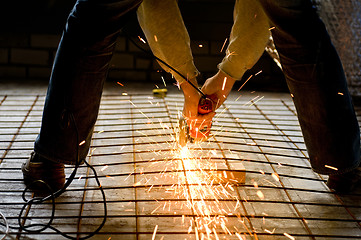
316 79
79 71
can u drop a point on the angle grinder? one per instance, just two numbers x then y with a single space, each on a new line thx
196 132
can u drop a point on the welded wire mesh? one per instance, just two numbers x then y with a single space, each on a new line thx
152 192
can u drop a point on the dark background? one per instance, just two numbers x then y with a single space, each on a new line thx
30 31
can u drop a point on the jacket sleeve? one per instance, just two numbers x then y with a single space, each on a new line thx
249 36
167 36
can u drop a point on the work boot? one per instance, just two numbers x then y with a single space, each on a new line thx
38 168
344 183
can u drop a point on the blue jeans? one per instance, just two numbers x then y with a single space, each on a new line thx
79 71
311 65
316 80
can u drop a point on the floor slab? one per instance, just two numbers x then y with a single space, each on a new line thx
156 191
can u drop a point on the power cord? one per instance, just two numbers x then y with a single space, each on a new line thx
169 66
6 226
52 196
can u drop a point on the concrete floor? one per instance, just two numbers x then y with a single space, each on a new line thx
154 192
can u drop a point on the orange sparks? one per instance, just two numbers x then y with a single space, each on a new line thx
270 232
230 54
155 38
200 45
333 168
155 232
224 83
215 234
258 73
142 40
82 142
271 28
224 44
202 174
245 82
239 236
340 93
260 194
103 168
276 177
289 236
163 81
120 84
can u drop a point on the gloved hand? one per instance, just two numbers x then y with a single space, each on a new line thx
190 107
218 88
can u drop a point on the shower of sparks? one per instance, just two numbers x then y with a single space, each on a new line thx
196 177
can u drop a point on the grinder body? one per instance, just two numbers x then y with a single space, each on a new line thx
196 133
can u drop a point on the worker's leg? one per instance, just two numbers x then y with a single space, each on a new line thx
317 82
79 71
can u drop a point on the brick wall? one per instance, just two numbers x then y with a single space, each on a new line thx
28 52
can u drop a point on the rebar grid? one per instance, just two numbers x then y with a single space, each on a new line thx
133 151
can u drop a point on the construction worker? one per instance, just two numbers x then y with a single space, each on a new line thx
312 69
310 63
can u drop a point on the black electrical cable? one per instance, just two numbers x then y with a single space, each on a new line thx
53 195
169 66
6 226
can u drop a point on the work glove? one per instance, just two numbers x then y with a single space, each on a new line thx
192 98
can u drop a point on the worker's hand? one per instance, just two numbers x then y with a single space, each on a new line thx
218 88
190 107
